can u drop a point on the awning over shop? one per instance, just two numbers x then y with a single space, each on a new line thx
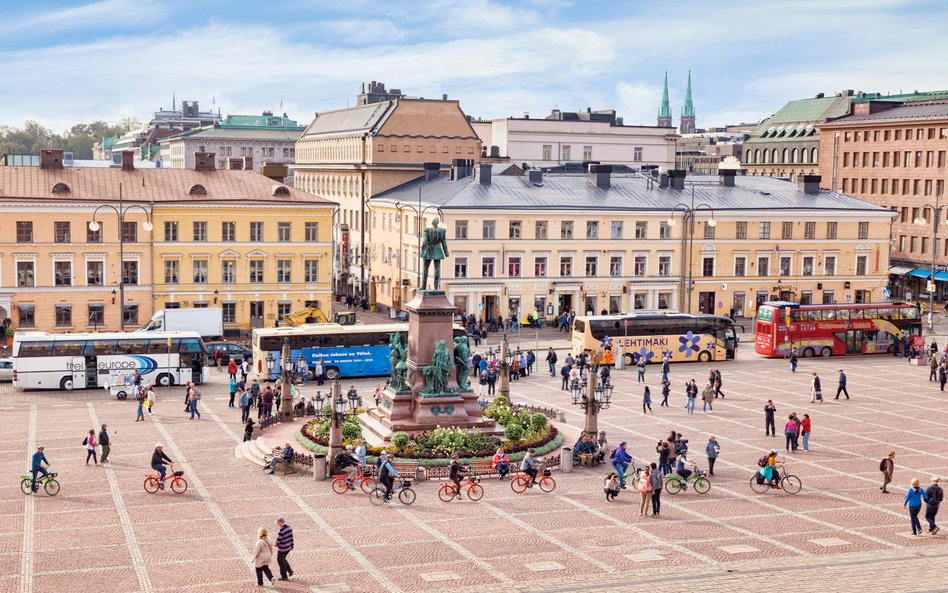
921 273
899 270
941 276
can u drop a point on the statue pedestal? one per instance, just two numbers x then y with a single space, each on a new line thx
431 320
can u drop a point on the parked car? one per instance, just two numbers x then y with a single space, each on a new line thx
228 350
6 369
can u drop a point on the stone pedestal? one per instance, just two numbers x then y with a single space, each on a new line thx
431 319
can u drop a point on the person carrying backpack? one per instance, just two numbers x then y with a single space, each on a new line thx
935 496
620 460
887 467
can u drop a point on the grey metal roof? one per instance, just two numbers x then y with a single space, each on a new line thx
908 111
212 133
576 193
351 119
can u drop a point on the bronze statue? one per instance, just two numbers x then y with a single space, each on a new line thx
434 248
397 360
438 372
461 364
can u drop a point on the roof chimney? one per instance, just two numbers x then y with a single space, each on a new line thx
204 161
601 175
51 158
128 160
663 181
235 163
535 177
676 178
810 184
727 177
432 170
483 173
461 168
248 163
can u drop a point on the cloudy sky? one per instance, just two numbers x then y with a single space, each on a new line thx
66 62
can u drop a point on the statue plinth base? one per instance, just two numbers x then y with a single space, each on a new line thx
431 319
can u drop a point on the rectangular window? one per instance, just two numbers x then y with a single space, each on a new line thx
460 267
256 232
63 273
256 271
664 265
664 231
24 231
488 229
641 230
25 274
637 153
284 309
515 229
63 315
27 315
808 265
740 266
130 232
547 152
785 262
283 232
861 264
566 229
200 271
93 236
664 300
130 272
587 153
566 266
863 230
487 267
61 232
171 231
130 315
513 267
228 232
616 229
592 265
228 271
830 266
96 315
764 230
310 271
809 230
640 265
763 265
615 265
708 231
94 273
740 229
539 266
460 229
229 312
592 229
541 229
786 230
830 230
311 232
200 231
565 150
284 270
171 271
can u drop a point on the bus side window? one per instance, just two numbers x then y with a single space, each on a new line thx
871 313
69 348
36 349
100 347
842 314
190 345
829 314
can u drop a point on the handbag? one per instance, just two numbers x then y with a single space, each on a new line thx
819 395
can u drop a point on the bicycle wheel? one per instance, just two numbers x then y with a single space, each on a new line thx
702 486
547 484
151 484
406 495
673 486
179 485
519 484
377 496
475 492
26 485
757 487
368 485
791 484
446 493
51 487
339 486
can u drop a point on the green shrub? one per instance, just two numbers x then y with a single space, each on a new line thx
513 432
538 422
400 440
501 401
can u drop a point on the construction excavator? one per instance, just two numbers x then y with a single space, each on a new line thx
314 315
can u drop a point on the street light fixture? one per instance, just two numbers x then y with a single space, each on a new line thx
922 221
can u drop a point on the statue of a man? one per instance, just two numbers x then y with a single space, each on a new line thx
396 357
434 248
461 364
437 373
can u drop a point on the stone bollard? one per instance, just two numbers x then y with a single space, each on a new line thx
420 474
561 416
319 467
566 460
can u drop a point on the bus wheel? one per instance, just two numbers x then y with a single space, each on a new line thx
332 373
704 356
164 380
826 351
66 384
121 395
891 349
808 353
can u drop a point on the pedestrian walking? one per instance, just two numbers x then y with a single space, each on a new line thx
664 450
491 381
565 372
933 366
666 367
244 369
942 376
691 391
254 394
716 381
887 467
233 391
805 431
645 488
105 443
816 390
284 545
935 496
657 484
769 410
842 385
319 371
790 431
707 397
913 500
248 430
481 383
551 361
793 360
218 357
640 367
712 449
666 390
140 410
89 443
261 556
647 400
244 406
193 399
232 369
150 400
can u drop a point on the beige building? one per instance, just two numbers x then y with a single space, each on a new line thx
603 242
349 155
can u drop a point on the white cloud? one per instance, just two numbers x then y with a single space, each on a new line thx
98 14
638 103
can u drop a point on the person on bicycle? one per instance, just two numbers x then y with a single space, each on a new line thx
681 467
346 462
530 466
620 462
387 475
39 458
457 472
769 471
158 458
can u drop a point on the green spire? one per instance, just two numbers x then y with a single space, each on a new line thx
665 110
689 109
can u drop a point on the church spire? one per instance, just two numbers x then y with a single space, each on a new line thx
687 125
664 113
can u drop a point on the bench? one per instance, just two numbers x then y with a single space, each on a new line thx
485 468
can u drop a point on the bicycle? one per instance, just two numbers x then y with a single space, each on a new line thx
698 480
49 482
153 482
406 495
449 491
544 480
787 482
364 479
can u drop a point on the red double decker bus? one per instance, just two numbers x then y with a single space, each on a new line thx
834 330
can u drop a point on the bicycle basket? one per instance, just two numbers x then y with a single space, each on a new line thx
53 474
178 474
406 484
547 472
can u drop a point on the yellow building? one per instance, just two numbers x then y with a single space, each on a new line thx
603 242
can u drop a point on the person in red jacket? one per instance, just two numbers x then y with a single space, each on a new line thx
232 369
805 428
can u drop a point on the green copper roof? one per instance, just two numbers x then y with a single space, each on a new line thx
665 110
262 121
689 108
902 97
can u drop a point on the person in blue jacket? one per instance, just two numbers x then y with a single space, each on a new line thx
39 458
620 462
913 500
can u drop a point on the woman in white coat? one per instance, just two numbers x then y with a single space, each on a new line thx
262 554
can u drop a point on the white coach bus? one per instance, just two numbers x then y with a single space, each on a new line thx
84 361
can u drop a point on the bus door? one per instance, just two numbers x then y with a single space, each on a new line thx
184 373
79 373
92 370
854 342
730 342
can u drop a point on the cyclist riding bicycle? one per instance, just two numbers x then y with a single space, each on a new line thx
387 475
681 466
530 466
39 458
769 470
346 462
457 473
158 458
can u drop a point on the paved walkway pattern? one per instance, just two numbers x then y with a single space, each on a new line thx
105 531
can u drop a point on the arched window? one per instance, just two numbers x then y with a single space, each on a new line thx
804 153
786 155
61 188
814 158
280 191
756 155
793 156
197 190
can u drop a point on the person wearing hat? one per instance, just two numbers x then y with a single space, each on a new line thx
158 459
36 467
935 496
387 474
105 443
620 462
712 449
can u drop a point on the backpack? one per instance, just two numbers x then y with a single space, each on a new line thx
612 454
85 441
762 462
882 465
